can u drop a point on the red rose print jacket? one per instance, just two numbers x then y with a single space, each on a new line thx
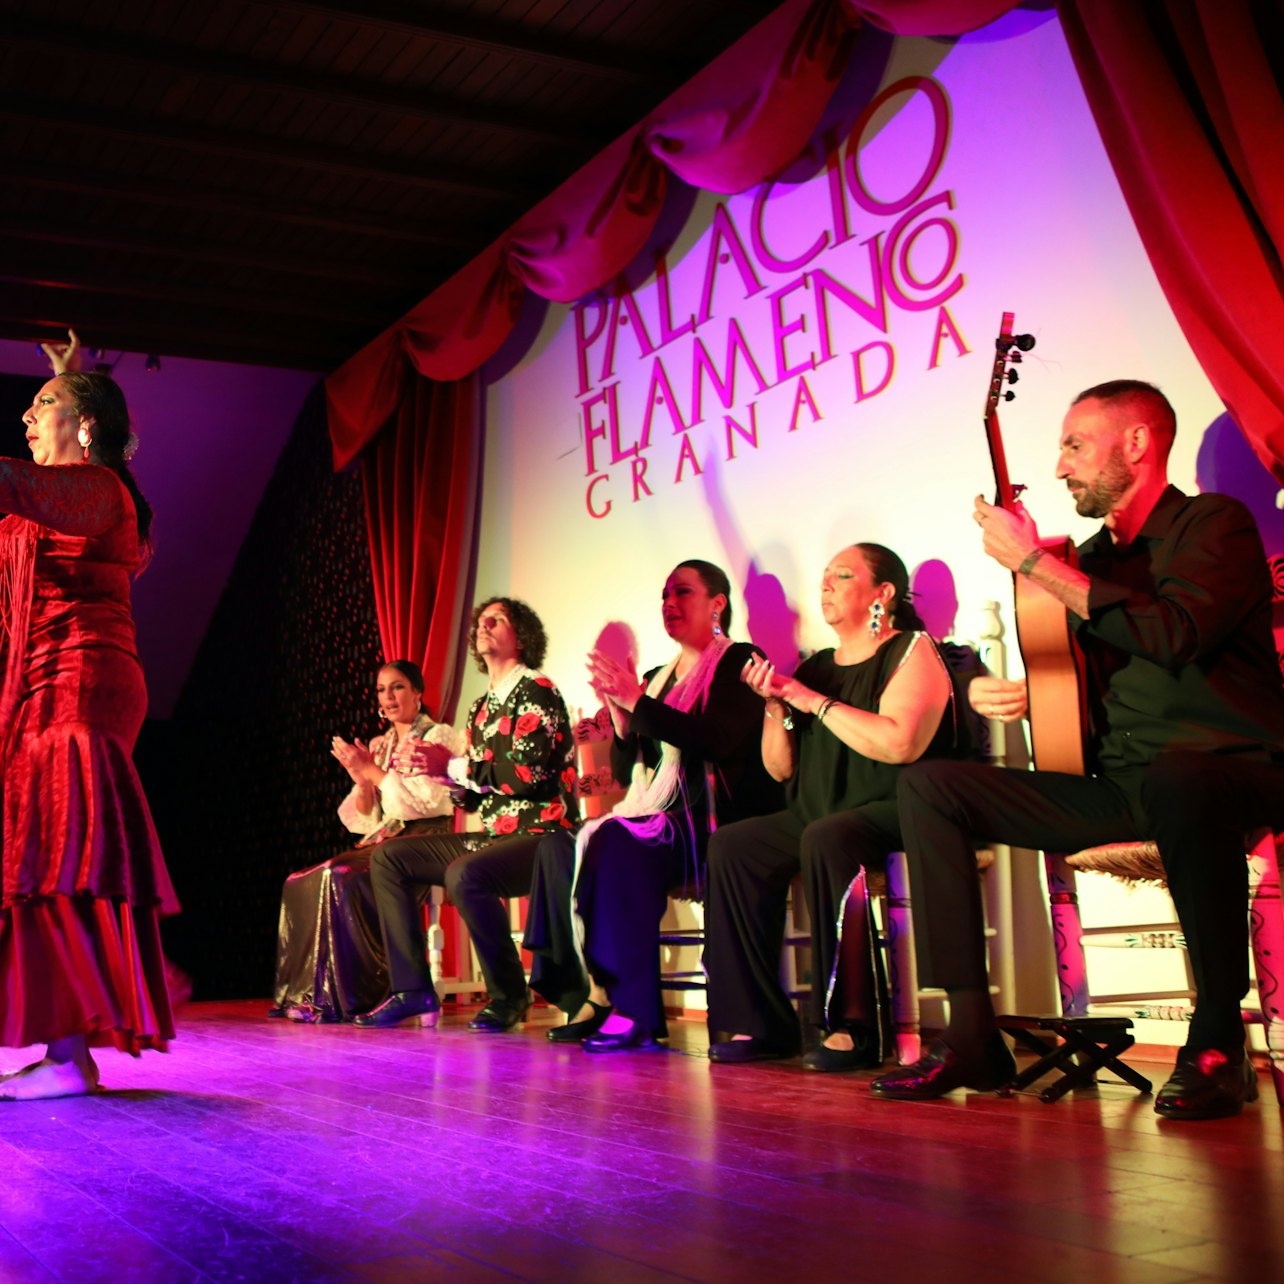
521 753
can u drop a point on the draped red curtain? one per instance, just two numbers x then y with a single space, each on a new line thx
1188 108
1191 114
420 478
742 119
1188 103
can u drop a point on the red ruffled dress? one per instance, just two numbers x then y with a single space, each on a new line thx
84 879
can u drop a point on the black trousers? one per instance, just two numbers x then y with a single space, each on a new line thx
751 866
403 870
557 974
622 892
1197 807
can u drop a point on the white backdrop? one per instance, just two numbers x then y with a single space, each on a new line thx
1010 204
979 186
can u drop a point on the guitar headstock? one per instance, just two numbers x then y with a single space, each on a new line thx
1008 350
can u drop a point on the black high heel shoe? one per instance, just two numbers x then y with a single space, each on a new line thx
575 1031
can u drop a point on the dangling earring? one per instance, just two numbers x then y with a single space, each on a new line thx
875 619
717 624
383 713
85 440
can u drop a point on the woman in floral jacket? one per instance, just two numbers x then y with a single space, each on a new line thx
518 777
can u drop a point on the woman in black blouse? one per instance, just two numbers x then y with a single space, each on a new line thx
838 732
687 740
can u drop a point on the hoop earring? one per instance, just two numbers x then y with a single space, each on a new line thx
383 713
875 625
717 624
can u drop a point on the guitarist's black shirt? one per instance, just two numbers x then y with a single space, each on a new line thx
1178 636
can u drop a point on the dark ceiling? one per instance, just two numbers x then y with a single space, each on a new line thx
276 181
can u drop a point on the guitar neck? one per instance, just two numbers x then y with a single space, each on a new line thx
1005 496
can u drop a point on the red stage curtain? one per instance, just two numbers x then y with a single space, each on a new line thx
420 478
1192 118
742 119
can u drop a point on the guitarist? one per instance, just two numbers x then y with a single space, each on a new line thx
1172 605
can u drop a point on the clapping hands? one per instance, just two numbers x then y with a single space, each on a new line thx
422 758
356 760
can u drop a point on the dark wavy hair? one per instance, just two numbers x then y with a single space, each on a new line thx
715 581
532 642
887 568
99 396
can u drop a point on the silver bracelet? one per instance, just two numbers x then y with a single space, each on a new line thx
787 721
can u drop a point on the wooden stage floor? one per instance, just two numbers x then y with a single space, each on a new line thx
262 1150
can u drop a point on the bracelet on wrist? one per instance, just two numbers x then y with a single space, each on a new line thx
824 709
787 721
1028 565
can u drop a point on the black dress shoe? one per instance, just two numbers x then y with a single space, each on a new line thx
864 1056
574 1031
739 1052
636 1036
500 1015
941 1070
400 1007
1207 1084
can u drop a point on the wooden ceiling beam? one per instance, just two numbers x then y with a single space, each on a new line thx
101 184
520 191
79 280
168 246
289 348
510 40
167 57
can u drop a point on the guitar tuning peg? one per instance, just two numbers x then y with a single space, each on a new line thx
1024 341
1009 395
1014 376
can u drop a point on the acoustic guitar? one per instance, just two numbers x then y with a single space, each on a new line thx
1054 665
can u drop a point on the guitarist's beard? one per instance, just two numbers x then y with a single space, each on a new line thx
1098 498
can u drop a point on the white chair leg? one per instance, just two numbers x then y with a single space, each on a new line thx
436 939
902 967
1266 930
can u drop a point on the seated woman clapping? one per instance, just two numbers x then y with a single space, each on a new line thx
688 741
838 732
330 961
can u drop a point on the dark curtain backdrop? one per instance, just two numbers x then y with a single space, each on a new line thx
241 779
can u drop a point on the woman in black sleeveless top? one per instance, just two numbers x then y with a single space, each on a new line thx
838 732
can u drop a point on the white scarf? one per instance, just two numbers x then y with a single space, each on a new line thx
644 809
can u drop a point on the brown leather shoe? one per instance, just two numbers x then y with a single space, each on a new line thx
1207 1083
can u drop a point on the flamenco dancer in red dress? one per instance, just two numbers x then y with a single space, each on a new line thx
84 880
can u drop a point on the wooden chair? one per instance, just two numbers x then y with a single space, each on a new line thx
888 893
1139 863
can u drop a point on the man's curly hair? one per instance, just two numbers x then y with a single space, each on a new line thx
532 642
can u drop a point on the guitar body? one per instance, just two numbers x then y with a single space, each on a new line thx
1054 671
1054 664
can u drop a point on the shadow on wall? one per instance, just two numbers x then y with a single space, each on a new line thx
1227 464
